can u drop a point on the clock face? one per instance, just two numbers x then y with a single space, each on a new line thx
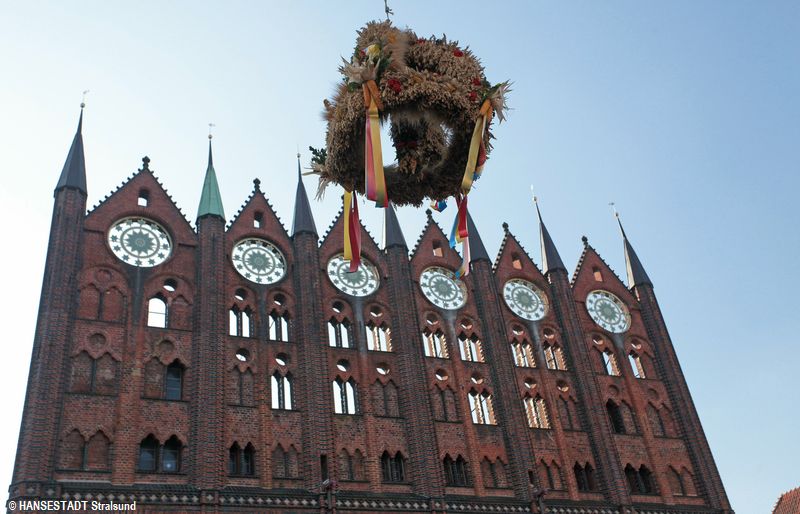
525 299
442 288
362 282
139 242
258 261
608 311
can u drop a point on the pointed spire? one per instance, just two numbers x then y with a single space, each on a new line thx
551 261
477 250
210 199
303 219
392 234
637 276
74 173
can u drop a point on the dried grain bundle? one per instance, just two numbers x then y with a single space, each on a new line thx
430 91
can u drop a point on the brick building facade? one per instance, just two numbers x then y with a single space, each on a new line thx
231 366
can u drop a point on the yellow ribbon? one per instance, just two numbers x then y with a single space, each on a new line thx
348 200
484 115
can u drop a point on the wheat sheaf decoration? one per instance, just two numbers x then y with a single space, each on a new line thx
439 107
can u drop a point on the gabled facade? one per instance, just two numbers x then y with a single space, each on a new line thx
232 366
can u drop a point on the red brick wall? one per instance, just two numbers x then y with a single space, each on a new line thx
93 307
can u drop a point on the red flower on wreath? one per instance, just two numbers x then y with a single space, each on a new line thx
476 81
458 53
473 96
394 85
420 41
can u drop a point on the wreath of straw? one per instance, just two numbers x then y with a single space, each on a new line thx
431 92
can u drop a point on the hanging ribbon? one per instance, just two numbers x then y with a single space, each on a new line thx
460 234
352 231
463 270
374 180
476 157
439 205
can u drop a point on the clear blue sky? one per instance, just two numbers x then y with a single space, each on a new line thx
684 113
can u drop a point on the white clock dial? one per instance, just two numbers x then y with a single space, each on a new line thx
362 282
139 242
608 311
258 261
442 289
525 299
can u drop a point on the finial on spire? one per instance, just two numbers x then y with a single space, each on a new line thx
210 135
145 163
256 184
614 209
585 240
83 99
387 9
429 213
73 175
299 172
505 227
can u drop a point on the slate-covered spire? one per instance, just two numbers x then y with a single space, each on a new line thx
637 276
476 248
551 261
210 199
74 173
303 219
392 234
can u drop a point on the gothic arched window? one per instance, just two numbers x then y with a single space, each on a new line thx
241 462
584 476
456 471
554 357
470 348
523 354
148 454
339 333
610 363
615 416
240 322
536 412
379 337
345 396
481 407
281 391
393 467
434 344
636 365
279 326
157 312
173 382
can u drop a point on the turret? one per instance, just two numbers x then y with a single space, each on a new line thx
551 260
210 199
303 218
392 234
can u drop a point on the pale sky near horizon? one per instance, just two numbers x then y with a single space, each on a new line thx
684 113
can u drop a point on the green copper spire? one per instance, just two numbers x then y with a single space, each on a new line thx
210 200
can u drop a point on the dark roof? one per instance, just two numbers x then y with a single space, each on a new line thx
551 261
476 248
210 199
74 173
392 234
303 218
636 273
